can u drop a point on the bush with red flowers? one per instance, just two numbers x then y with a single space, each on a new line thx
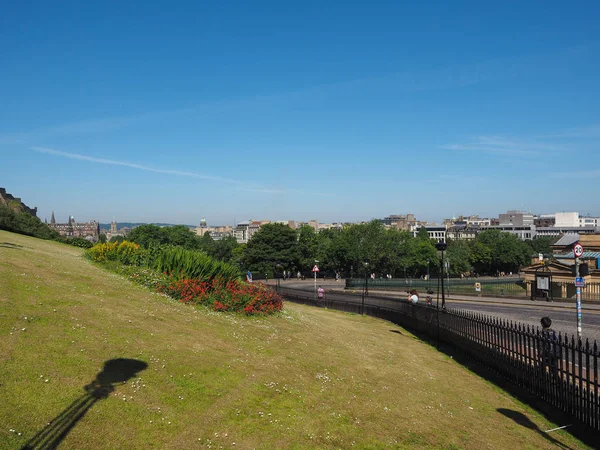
222 295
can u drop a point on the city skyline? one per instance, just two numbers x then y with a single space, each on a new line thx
278 112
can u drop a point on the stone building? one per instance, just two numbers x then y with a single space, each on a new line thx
87 230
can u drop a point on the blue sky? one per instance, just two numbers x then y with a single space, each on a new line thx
335 111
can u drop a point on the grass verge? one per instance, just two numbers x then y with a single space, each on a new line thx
304 378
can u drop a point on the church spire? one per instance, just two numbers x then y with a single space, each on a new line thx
52 220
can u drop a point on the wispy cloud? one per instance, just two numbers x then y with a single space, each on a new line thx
588 132
504 146
236 184
576 175
113 162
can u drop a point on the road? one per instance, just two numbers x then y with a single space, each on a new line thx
563 315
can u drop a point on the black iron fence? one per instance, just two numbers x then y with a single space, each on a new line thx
560 370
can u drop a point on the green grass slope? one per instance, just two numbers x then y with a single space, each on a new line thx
305 378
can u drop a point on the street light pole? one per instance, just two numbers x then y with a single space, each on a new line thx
578 297
441 246
366 287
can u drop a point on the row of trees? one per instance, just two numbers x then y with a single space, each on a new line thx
277 247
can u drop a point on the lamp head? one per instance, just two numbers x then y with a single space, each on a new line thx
441 246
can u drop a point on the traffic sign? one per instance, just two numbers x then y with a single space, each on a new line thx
578 251
316 268
579 282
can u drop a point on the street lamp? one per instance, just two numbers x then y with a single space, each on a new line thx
441 246
366 287
315 272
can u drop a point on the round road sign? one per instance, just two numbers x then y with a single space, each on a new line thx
578 250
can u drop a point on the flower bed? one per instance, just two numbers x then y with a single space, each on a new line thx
221 295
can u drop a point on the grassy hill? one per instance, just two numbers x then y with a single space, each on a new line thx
306 378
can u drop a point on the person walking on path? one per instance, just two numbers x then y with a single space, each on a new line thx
320 294
548 350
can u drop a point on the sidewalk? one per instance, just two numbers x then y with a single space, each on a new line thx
476 299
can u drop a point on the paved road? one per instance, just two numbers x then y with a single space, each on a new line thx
563 315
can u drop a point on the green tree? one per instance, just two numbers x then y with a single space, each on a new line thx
541 245
148 235
117 239
182 236
459 255
223 249
306 249
271 245
102 238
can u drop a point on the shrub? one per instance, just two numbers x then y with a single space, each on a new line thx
234 295
76 242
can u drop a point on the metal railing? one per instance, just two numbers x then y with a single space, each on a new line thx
567 379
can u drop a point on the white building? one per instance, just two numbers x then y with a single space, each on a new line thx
437 232
588 221
566 219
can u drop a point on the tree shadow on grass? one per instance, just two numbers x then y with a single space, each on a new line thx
524 421
115 371
396 331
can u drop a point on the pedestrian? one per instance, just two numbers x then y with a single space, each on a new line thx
548 349
298 275
413 297
249 277
429 298
320 294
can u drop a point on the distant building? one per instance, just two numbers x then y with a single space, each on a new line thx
544 220
525 233
566 219
115 231
405 222
240 232
216 233
473 220
516 219
462 231
436 232
87 230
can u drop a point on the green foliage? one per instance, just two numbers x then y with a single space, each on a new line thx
183 263
17 221
175 261
76 242
459 254
272 245
541 245
118 239
223 249
494 251
102 238
147 235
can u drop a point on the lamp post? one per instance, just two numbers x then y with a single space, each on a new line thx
428 269
441 246
315 272
366 287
